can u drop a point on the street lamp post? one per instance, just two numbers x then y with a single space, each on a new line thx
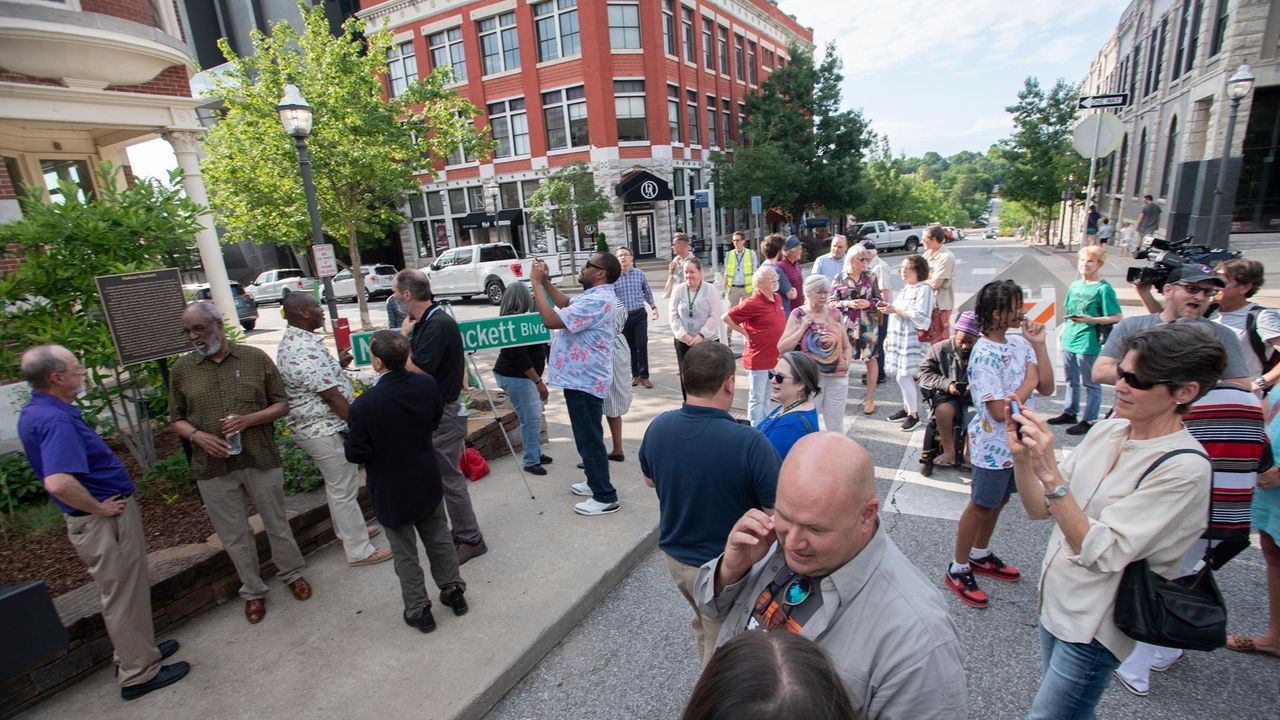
1062 217
295 115
1238 87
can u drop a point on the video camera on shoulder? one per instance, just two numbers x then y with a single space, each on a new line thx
1163 256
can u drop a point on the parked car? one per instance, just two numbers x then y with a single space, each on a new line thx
377 282
989 234
888 239
480 270
246 307
274 285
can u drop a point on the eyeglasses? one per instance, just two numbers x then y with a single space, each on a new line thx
1198 289
1132 380
778 377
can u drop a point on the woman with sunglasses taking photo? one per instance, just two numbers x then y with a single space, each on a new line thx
1112 504
793 382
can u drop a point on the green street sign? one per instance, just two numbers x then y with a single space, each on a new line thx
503 332
360 348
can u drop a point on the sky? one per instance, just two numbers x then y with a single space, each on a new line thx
929 74
938 74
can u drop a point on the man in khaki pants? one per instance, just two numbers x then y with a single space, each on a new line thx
88 483
319 396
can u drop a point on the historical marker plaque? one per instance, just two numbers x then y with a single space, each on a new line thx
144 312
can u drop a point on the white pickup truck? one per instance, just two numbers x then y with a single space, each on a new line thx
480 270
886 238
273 285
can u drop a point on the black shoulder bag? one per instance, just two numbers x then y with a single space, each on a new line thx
1185 613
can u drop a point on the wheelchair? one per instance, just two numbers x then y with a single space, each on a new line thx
933 439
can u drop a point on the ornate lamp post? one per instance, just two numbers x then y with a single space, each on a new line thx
295 115
1239 85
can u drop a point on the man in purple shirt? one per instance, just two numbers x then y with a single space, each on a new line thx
790 264
88 483
581 363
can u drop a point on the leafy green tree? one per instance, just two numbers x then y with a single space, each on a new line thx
52 297
365 150
569 197
801 149
1039 153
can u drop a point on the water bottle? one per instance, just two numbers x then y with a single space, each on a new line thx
234 441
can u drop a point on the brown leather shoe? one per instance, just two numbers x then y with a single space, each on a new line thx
301 589
255 610
645 382
467 551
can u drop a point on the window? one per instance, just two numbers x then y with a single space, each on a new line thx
724 50
1170 149
768 59
499 44
475 198
1155 84
669 27
739 58
459 156
691 107
624 27
446 51
510 125
742 123
713 138
1219 28
1133 72
628 104
708 45
1124 163
75 172
430 228
1142 161
752 77
402 67
1193 38
724 124
1180 45
673 112
565 112
555 23
686 20
1151 63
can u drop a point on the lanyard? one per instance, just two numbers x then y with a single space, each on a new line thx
693 299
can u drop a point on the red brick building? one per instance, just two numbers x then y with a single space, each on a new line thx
627 86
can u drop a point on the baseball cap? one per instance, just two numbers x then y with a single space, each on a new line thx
1194 273
792 242
868 244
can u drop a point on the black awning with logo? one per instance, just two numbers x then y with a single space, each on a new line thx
475 221
641 186
510 217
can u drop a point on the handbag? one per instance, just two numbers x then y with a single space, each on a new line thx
1185 613
937 329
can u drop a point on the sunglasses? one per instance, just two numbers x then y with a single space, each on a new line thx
777 602
778 377
1199 289
1132 380
590 264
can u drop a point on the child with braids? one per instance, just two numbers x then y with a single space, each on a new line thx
1000 365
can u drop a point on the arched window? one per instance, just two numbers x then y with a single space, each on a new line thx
1115 179
1142 162
1170 150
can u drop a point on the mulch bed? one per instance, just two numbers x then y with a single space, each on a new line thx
49 555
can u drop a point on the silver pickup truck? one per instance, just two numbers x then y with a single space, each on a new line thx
481 270
274 285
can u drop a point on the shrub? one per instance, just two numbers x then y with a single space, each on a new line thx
18 482
300 472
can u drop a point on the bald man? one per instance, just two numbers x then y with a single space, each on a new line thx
821 566
320 394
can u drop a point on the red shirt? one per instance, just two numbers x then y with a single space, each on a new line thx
764 323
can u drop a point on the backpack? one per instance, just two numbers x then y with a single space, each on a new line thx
1269 357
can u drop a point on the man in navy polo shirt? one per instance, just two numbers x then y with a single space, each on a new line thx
708 471
88 483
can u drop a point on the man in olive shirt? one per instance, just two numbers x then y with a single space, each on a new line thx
217 392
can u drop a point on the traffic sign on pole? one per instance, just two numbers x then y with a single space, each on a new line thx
757 205
701 199
1089 102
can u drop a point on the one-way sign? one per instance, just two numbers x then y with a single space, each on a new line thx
1102 101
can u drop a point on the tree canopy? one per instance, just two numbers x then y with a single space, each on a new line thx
365 149
1039 152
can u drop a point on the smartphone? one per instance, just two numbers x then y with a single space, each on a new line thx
1015 409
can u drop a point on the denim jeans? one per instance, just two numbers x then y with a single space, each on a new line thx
636 331
758 397
524 398
1079 371
1075 674
586 413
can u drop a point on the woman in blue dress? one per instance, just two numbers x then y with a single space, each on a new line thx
793 383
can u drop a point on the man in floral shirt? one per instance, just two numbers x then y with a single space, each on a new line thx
319 397
581 363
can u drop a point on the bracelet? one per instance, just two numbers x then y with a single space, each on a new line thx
192 436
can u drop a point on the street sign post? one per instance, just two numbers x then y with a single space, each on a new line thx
757 204
701 199
326 262
1090 102
503 331
360 348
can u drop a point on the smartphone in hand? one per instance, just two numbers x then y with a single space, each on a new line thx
1015 409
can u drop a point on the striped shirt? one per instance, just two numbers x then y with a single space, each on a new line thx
1228 422
633 290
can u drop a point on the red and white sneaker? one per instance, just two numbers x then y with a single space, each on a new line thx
991 565
963 585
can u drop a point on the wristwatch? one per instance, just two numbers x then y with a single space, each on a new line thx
1058 492
1262 383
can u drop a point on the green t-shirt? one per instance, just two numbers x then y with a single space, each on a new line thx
1096 299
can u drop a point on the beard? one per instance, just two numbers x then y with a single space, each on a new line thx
211 348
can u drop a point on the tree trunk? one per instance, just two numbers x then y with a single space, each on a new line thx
353 242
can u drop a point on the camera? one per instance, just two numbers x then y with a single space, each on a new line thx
1164 256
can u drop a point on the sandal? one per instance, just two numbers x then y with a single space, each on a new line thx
375 557
1245 644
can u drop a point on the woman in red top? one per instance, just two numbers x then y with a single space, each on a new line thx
760 319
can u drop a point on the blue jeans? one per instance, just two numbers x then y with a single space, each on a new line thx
524 397
1074 677
586 413
1079 370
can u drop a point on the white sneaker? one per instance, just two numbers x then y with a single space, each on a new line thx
581 489
595 507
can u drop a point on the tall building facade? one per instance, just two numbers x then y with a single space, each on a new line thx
642 91
1173 59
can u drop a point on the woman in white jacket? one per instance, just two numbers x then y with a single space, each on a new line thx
694 312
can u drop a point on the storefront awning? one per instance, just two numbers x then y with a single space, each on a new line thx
510 217
641 186
475 221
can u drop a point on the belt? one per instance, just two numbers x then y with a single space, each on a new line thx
633 312
81 513
738 286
